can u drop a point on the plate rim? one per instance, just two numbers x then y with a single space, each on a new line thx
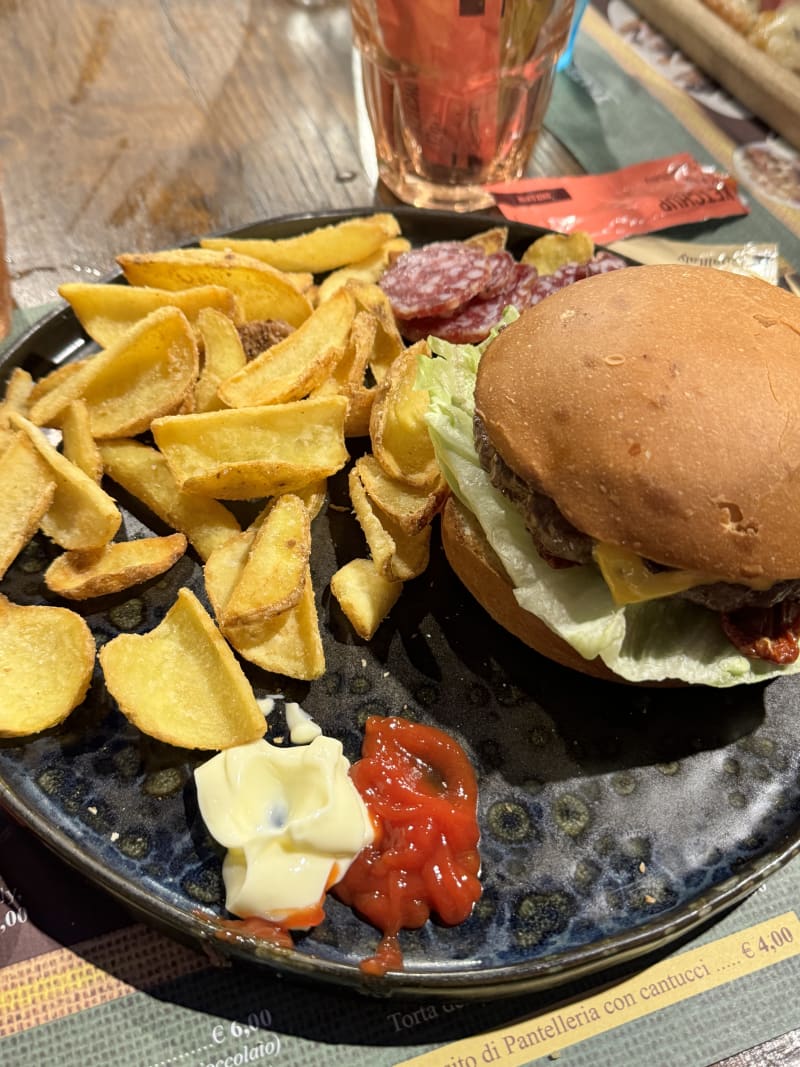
200 928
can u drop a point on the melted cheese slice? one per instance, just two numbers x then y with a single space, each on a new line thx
631 580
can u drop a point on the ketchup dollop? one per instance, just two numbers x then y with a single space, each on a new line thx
421 794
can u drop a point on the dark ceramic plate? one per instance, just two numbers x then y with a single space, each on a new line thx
613 818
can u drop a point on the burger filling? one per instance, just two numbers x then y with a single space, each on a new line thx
760 623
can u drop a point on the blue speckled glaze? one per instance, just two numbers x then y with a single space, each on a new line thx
613 818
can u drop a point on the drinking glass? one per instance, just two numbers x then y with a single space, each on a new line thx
456 91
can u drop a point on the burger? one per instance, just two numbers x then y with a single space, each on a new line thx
624 460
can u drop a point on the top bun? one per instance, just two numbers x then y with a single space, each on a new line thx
659 407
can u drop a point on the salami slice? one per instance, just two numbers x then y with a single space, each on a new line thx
468 326
600 263
436 279
519 291
501 265
472 323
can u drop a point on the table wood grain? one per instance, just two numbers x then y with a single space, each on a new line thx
137 124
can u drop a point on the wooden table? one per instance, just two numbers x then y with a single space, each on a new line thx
135 124
127 126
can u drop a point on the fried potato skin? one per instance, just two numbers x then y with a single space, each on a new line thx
47 657
27 488
119 565
181 682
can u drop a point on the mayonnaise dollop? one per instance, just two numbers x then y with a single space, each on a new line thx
291 820
302 727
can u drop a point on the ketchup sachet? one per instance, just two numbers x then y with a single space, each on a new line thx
647 196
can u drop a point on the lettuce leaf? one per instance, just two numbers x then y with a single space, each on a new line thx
651 641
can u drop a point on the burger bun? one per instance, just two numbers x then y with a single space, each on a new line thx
477 566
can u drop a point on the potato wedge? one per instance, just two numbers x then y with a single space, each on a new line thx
554 250
399 433
350 374
81 515
287 644
411 507
144 473
351 370
398 556
366 342
303 281
365 270
261 291
53 394
364 595
225 566
77 443
247 453
27 487
359 406
359 411
181 683
47 658
272 578
117 566
292 368
107 312
18 390
149 372
56 379
313 496
388 343
223 356
491 240
322 249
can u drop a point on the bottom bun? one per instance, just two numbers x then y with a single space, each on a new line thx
476 564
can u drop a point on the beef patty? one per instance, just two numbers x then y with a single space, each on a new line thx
556 539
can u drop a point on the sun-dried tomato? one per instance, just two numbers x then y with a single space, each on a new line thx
766 633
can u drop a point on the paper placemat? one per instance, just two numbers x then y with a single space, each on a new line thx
132 997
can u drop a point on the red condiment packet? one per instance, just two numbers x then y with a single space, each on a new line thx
647 196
